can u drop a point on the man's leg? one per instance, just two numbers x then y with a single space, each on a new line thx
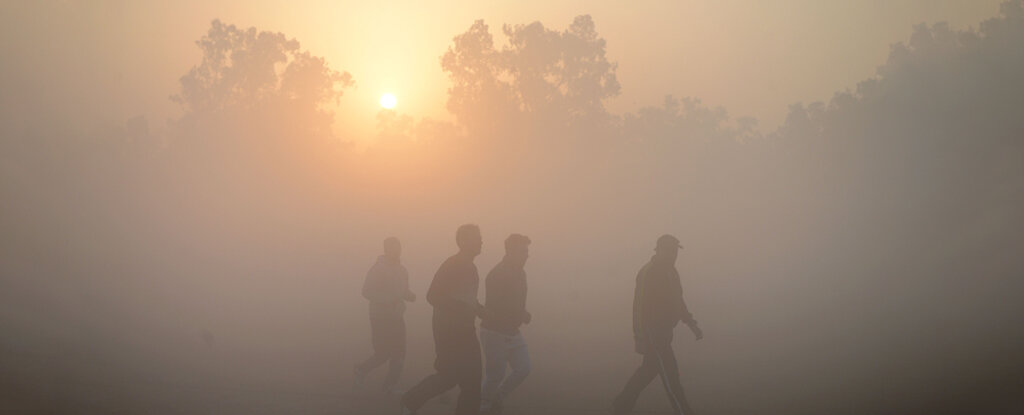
519 360
643 376
496 356
397 355
668 371
447 376
372 362
381 353
427 389
469 376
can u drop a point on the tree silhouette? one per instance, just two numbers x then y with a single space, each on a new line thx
543 79
563 73
257 72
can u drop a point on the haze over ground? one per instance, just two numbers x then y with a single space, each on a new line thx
863 257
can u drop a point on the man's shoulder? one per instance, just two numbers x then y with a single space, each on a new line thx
376 268
644 270
499 271
652 267
446 264
652 271
381 267
456 263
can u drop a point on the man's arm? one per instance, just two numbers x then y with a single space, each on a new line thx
440 286
527 317
684 313
407 294
372 285
640 314
687 318
496 295
642 303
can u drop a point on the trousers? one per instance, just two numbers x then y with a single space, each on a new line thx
502 351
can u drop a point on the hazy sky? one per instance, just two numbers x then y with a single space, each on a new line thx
754 58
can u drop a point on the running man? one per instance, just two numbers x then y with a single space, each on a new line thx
453 294
502 342
658 307
387 289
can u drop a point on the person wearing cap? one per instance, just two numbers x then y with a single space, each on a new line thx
453 294
387 289
500 337
658 307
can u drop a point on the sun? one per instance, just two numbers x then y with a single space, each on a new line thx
388 101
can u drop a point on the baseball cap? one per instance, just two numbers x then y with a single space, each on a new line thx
668 241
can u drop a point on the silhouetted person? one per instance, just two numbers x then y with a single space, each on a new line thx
502 342
657 307
387 288
453 294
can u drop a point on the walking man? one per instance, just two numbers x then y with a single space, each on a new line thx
657 307
453 294
387 288
502 342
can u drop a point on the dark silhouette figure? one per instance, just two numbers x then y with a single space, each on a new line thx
387 288
502 342
658 307
453 294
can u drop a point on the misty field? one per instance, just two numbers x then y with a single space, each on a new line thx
189 204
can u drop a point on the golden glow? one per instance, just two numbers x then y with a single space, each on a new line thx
388 101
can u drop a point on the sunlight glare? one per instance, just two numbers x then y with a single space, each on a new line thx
388 101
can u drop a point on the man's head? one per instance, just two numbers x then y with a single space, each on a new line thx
392 248
469 240
667 248
517 249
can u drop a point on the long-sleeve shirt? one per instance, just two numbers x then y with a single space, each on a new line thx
506 299
386 286
658 304
453 293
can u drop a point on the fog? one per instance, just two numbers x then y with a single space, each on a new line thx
863 257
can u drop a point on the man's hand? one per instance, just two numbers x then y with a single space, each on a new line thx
527 317
409 296
697 332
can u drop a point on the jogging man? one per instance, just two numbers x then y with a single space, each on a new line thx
387 289
453 294
502 342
